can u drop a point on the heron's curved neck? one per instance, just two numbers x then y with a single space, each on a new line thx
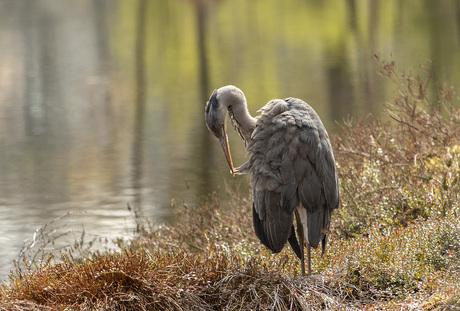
242 121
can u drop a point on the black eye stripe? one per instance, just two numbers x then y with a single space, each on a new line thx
212 102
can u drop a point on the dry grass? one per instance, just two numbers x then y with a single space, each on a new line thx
167 281
398 270
395 241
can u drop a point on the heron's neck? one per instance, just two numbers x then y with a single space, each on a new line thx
242 121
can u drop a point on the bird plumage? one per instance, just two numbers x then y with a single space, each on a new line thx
292 168
291 162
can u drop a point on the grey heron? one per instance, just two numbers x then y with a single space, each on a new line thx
291 164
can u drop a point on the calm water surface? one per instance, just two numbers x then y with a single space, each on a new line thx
102 102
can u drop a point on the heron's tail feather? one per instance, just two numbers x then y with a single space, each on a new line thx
318 227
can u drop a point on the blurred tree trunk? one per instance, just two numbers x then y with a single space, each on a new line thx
139 109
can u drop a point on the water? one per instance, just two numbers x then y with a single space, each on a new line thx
102 101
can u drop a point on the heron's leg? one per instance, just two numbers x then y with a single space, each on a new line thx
301 242
308 259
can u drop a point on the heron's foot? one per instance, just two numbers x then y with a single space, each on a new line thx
243 169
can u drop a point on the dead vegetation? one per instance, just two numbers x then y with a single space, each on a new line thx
395 241
393 172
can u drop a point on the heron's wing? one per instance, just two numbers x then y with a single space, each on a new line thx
290 163
315 173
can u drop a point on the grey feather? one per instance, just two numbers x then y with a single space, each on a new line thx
291 155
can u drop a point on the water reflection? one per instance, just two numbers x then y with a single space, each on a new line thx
102 101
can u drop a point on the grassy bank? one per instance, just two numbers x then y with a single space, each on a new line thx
395 241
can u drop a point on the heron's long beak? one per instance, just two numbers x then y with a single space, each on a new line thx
224 143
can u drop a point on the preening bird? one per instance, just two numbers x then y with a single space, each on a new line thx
291 164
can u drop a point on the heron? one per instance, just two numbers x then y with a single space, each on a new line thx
291 164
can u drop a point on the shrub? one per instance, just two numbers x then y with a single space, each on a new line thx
405 168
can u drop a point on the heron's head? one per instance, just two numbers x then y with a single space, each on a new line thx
215 115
